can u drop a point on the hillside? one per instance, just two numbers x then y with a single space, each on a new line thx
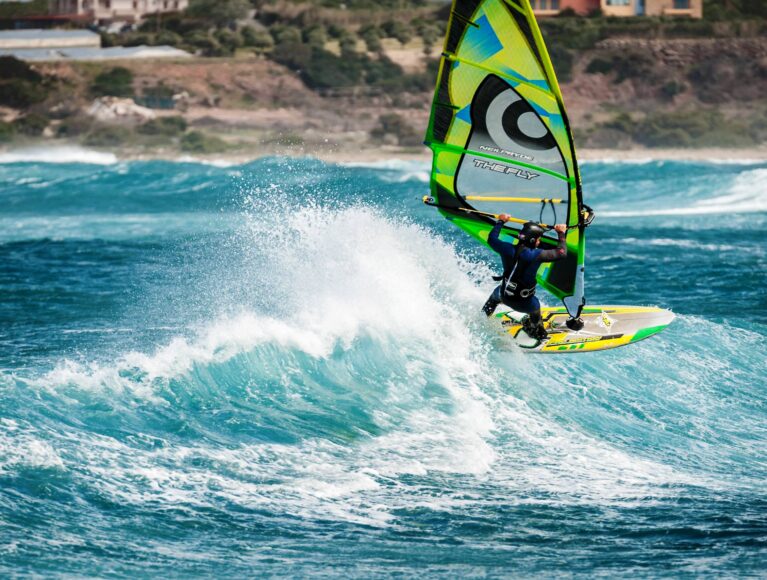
313 75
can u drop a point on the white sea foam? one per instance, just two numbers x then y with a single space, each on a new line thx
395 170
20 448
669 159
64 154
747 194
110 226
350 281
221 163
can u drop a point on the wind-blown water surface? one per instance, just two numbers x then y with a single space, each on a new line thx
281 368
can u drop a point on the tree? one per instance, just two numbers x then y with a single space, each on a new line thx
220 12
260 40
116 82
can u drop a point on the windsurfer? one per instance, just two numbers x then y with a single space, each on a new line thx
520 265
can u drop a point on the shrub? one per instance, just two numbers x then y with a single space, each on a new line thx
20 94
159 91
692 128
219 12
336 31
625 64
573 33
107 136
14 68
348 45
621 122
6 132
202 41
399 30
261 40
430 35
20 85
228 41
671 89
139 39
197 142
563 60
600 66
286 34
32 124
165 126
287 140
166 37
116 82
74 126
316 35
397 126
373 43
319 69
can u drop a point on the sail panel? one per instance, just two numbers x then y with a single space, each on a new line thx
499 129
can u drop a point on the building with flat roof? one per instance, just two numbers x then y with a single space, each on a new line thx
554 7
106 11
85 45
688 8
44 39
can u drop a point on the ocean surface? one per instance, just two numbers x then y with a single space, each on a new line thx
281 369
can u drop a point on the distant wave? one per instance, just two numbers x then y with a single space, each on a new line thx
110 226
748 194
65 154
395 170
663 161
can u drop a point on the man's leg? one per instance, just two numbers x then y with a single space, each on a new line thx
533 324
492 302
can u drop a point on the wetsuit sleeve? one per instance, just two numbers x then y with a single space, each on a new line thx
558 253
494 241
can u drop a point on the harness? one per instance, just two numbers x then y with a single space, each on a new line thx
512 279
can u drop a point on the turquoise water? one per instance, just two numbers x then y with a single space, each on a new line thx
280 368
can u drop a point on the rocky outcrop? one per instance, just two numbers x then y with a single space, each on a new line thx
116 110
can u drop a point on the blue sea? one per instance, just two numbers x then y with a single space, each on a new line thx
280 369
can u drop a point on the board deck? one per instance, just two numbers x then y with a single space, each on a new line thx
604 327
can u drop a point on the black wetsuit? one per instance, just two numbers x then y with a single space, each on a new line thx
520 266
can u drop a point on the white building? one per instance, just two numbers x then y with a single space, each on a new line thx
50 45
105 11
45 39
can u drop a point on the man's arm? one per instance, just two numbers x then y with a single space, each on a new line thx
494 240
560 252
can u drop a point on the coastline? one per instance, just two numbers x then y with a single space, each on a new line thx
70 152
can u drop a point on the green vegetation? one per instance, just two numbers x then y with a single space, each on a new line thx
107 136
22 9
20 85
31 124
398 129
321 69
733 9
706 128
260 40
286 140
198 142
116 82
164 126
219 12
624 64
6 132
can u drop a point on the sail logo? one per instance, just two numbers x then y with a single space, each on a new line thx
506 169
499 151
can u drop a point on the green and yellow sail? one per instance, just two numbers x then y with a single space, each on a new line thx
500 136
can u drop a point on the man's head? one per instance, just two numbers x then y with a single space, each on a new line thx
530 234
